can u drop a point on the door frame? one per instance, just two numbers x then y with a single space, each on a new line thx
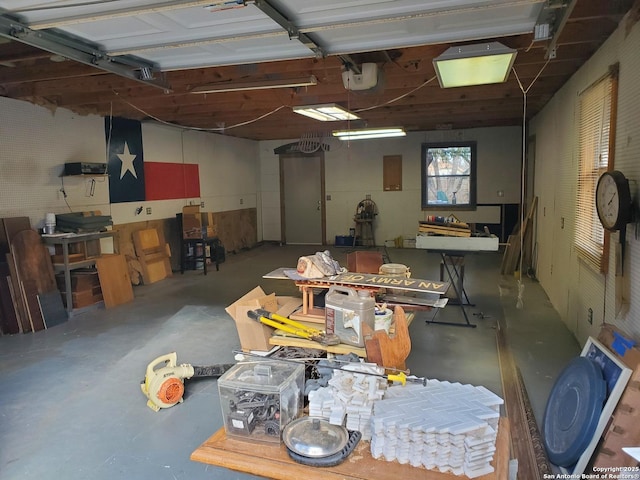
323 202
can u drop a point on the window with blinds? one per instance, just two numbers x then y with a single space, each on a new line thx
596 140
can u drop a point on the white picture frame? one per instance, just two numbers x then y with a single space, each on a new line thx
616 374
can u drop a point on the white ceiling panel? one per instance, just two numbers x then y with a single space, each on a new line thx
427 30
190 33
159 30
227 53
142 59
311 13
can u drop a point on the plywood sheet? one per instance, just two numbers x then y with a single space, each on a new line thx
30 295
16 295
114 280
9 227
123 243
10 321
152 254
33 261
34 273
237 229
147 239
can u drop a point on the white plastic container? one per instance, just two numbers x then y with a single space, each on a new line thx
346 310
394 269
383 320
49 223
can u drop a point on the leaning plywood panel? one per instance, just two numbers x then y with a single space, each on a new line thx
10 319
34 272
9 227
152 254
16 296
33 260
114 280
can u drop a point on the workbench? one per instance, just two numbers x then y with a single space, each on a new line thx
452 251
272 461
69 263
386 351
359 281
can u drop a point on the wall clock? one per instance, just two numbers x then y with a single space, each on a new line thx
613 200
613 204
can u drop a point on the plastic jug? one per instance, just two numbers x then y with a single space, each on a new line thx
346 310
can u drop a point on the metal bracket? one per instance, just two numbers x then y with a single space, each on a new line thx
82 52
292 30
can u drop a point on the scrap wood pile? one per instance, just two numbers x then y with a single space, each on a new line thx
520 244
447 226
29 297
153 255
147 254
33 285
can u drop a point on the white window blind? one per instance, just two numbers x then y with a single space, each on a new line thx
596 132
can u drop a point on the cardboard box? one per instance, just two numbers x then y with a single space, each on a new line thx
630 356
254 335
191 222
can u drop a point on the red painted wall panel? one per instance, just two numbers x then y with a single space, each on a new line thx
166 181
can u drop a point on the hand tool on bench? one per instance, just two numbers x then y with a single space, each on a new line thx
291 326
399 376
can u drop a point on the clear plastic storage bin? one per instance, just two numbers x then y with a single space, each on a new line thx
259 398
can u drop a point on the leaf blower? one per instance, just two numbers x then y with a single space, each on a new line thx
163 383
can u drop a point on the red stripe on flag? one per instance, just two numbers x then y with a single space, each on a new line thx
166 181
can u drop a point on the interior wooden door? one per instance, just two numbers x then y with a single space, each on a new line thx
302 199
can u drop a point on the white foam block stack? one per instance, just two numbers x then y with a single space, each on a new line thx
442 426
349 398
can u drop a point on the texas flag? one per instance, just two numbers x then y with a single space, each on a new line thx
126 161
131 179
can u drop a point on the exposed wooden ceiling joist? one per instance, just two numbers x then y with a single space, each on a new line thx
403 94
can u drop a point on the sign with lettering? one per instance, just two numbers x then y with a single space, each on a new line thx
381 281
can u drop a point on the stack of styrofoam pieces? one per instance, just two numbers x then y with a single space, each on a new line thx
443 426
349 398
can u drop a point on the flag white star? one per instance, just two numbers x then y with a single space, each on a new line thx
127 159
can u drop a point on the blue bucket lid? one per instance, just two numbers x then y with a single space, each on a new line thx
573 411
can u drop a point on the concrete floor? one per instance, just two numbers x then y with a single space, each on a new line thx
71 406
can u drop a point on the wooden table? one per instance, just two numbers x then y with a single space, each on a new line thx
272 461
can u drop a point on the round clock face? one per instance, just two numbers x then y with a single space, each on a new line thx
612 200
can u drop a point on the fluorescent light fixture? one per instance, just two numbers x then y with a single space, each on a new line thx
258 85
479 64
326 113
366 133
